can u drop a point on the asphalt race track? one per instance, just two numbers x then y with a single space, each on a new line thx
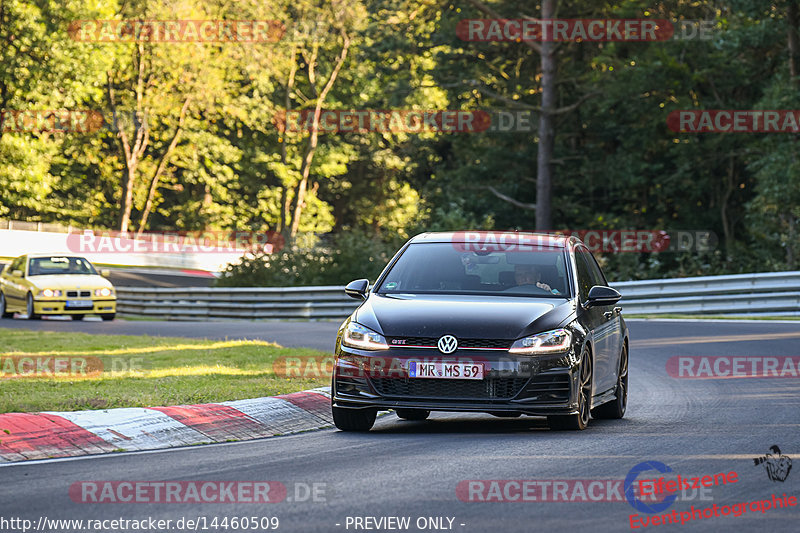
696 427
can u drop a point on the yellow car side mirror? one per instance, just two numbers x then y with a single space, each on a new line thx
105 272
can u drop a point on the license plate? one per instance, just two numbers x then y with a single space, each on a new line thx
78 303
417 369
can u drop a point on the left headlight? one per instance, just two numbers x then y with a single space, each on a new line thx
105 291
49 293
555 341
358 336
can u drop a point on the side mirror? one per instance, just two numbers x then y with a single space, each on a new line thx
105 272
16 273
357 289
602 295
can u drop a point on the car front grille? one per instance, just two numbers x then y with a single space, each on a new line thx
431 342
496 388
81 294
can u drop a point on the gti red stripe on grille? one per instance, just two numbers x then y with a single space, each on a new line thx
317 404
218 422
41 435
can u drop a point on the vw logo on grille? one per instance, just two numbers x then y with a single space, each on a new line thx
447 344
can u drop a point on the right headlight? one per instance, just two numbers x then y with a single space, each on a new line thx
358 336
554 341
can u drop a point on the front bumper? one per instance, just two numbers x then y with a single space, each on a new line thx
57 306
533 385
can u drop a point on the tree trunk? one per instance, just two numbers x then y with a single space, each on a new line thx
3 87
127 198
727 228
162 165
793 19
544 178
305 169
132 154
287 106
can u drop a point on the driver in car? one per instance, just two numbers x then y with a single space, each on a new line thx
528 275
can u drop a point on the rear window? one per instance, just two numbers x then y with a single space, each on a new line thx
448 268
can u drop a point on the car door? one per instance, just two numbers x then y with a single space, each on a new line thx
607 336
594 321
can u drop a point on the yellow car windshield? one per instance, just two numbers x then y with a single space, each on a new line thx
43 266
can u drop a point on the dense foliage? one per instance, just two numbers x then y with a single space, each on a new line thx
191 140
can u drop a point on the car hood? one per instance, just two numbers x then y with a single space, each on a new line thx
69 281
489 317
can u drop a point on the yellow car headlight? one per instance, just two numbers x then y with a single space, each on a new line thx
49 293
105 291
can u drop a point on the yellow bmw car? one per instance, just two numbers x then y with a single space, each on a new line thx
43 284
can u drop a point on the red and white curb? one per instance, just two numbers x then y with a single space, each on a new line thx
26 436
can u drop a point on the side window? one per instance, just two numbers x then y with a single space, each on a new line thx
597 275
584 276
17 264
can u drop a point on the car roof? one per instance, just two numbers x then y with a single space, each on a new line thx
42 254
480 236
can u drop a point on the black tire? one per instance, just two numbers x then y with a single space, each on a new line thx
29 308
615 409
108 317
76 317
579 421
354 419
412 414
3 312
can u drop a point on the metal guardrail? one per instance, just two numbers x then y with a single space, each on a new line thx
742 294
201 303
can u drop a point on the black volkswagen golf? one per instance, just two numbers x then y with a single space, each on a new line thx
501 323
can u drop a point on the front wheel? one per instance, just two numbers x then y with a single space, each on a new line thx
29 308
3 312
354 419
581 420
616 409
412 414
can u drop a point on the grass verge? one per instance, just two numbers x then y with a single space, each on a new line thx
138 371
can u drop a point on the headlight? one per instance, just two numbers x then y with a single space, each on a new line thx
357 336
555 341
105 291
49 293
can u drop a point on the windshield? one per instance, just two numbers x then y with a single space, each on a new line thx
447 268
42 266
